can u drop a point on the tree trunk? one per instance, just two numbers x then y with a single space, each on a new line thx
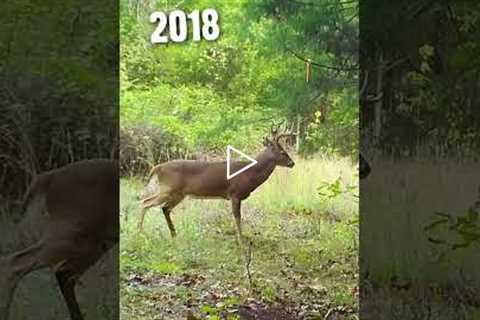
297 137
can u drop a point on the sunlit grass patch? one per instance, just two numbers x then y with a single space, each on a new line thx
296 190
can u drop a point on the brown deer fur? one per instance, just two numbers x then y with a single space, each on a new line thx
81 201
203 179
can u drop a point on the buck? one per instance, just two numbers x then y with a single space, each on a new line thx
207 179
81 204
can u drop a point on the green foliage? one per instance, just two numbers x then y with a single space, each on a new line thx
465 229
211 94
299 189
331 190
338 135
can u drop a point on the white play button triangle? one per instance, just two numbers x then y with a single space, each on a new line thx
229 159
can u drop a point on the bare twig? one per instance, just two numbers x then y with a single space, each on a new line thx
313 4
248 261
319 65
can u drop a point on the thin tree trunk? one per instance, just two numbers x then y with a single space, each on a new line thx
297 137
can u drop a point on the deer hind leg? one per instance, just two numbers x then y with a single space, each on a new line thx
21 263
67 282
51 252
157 199
13 268
167 209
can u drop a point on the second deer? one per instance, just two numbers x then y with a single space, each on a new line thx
81 202
207 179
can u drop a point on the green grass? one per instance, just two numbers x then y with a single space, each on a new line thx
300 254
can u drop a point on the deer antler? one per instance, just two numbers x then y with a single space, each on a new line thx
275 128
284 135
276 136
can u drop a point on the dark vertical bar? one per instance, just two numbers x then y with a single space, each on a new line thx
420 205
58 108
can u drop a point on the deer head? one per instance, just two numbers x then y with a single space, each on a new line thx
273 145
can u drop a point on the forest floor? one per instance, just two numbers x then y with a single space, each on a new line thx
301 261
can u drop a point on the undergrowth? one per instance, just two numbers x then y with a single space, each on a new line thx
302 253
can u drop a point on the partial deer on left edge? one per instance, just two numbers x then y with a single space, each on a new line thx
81 205
207 179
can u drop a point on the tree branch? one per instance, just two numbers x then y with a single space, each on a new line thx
319 65
363 89
312 4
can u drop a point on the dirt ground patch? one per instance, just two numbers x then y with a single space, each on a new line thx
195 297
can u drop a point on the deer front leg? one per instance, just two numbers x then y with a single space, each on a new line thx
236 210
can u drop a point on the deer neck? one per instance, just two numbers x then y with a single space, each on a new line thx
264 167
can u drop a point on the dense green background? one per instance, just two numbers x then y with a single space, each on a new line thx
178 100
191 100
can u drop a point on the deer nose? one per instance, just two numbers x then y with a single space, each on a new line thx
291 164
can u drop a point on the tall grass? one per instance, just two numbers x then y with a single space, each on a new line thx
297 188
397 201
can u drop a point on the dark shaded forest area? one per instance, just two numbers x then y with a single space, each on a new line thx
420 129
58 105
420 72
55 105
